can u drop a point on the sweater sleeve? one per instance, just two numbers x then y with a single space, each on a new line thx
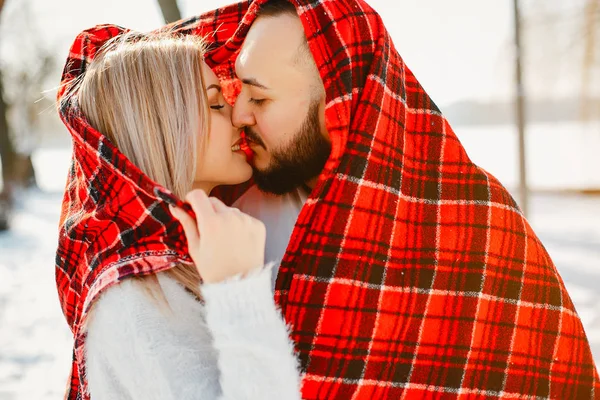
236 347
256 358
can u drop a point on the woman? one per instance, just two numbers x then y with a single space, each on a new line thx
205 330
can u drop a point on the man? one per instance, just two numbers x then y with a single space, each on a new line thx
410 271
281 107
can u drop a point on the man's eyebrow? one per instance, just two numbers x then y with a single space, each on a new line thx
213 86
254 82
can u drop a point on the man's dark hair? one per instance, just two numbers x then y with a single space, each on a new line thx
274 8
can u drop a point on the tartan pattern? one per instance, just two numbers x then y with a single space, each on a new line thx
411 272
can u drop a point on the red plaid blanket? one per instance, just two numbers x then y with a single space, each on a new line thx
411 272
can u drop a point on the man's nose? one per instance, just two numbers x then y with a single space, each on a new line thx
242 114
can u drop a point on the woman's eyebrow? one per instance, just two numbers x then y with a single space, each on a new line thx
213 86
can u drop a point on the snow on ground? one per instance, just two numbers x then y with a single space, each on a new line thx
35 343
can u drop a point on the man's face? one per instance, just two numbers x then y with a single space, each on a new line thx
281 105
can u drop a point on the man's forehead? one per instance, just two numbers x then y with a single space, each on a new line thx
271 40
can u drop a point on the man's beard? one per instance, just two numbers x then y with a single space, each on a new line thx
298 163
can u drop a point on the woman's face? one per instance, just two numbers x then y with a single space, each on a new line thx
221 162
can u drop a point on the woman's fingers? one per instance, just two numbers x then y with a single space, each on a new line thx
190 227
222 229
201 205
218 205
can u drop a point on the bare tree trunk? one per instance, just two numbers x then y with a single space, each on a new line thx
592 17
169 9
17 170
6 154
7 151
520 113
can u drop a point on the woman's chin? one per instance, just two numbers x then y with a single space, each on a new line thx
239 172
233 172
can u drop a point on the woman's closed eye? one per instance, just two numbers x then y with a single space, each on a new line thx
217 106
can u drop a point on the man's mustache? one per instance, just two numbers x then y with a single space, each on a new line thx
253 137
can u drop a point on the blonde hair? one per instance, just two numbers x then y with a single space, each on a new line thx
146 93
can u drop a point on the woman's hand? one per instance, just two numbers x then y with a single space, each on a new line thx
223 241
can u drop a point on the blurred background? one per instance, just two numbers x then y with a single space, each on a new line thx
523 98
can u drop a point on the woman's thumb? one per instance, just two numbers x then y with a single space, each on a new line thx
189 225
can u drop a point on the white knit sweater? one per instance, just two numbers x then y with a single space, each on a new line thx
235 346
